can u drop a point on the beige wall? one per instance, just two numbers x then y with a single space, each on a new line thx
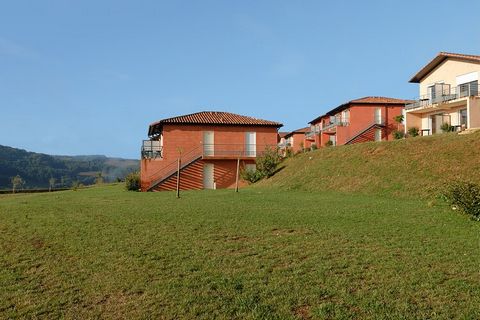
447 72
474 112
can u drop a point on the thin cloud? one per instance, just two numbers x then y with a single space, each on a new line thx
10 48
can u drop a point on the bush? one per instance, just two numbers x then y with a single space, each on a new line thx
288 152
313 147
132 181
413 132
329 143
250 175
268 162
398 135
446 127
465 196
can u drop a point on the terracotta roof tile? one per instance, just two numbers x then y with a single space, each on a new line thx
364 100
301 130
439 59
212 118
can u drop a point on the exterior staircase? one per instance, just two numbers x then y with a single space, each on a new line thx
170 170
367 134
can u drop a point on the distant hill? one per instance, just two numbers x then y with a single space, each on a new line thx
420 166
36 169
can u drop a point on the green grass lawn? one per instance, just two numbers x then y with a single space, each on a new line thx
259 254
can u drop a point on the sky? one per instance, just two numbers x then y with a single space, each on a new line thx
88 77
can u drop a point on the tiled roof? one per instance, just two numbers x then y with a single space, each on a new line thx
439 59
301 130
377 100
364 100
282 134
212 118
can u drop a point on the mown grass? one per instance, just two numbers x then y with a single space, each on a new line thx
420 167
259 254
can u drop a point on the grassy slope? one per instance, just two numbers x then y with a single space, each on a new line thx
263 253
412 167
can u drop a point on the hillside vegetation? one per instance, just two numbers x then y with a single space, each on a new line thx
420 166
37 168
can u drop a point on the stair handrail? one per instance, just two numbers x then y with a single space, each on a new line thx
362 131
185 158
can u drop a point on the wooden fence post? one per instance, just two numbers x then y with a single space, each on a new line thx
178 178
238 172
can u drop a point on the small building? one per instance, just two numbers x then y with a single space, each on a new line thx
208 144
448 95
297 140
359 120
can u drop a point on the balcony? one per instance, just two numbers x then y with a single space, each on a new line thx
443 95
310 135
331 127
151 149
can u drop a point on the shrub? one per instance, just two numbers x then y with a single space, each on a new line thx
398 134
268 162
132 181
313 147
288 152
302 146
17 182
398 119
413 131
250 175
329 143
446 127
465 196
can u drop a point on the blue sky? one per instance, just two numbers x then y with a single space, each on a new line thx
87 77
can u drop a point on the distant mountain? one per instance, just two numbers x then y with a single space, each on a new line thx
36 169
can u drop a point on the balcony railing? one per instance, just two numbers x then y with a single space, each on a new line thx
235 150
339 123
446 94
311 134
151 149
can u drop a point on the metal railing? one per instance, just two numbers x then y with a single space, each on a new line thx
339 123
446 94
172 167
208 151
234 150
151 149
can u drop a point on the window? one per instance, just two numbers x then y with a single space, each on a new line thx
378 116
333 139
468 89
250 167
463 118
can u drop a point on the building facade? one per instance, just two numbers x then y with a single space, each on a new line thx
448 95
209 145
359 120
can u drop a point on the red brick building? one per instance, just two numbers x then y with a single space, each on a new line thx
297 140
359 120
209 145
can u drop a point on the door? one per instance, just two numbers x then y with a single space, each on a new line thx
378 115
251 144
208 178
208 143
378 134
437 121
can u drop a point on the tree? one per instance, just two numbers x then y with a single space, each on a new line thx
17 182
398 119
51 183
99 178
268 162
